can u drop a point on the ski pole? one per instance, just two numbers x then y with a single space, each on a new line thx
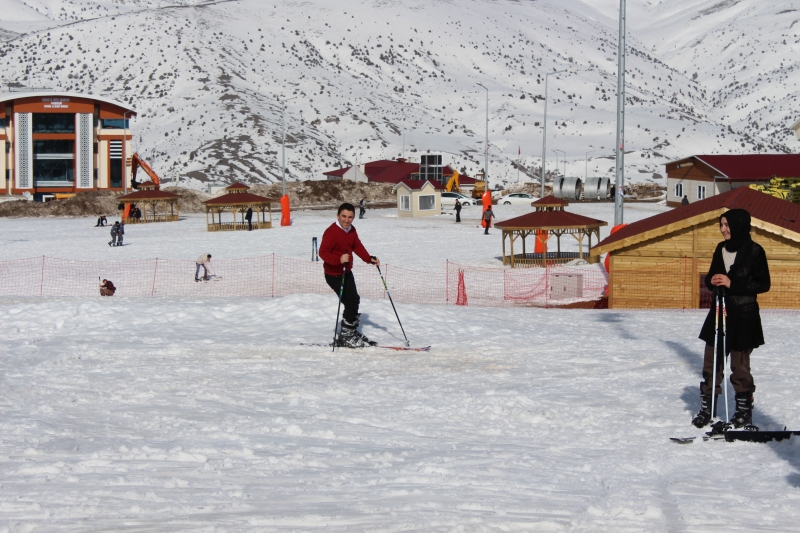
393 307
724 334
338 307
717 346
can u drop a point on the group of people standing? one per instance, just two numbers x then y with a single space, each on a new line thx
486 217
117 233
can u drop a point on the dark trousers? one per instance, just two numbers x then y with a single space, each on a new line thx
458 216
741 378
361 212
488 223
350 297
249 225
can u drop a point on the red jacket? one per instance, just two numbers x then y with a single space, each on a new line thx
335 243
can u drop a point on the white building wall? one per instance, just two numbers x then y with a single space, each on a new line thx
23 152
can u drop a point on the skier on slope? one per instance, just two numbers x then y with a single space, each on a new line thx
339 241
740 266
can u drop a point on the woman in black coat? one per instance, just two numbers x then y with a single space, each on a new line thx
739 267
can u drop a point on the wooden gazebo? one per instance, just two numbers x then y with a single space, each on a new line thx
236 201
549 219
156 205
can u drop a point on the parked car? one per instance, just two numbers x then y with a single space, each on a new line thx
449 199
520 198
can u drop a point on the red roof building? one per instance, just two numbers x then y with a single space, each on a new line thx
394 171
661 261
701 176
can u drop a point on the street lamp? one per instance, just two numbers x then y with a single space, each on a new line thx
556 152
586 161
544 130
283 142
620 148
565 162
486 144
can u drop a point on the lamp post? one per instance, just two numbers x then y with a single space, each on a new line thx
620 148
586 161
124 152
283 143
544 130
564 162
556 152
486 144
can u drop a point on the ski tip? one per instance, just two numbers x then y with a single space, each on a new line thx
682 440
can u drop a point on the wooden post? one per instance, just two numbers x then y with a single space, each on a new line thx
512 248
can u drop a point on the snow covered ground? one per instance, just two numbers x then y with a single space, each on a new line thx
207 415
423 244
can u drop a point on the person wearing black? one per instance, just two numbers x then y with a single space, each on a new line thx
248 216
114 234
488 215
107 288
101 221
685 200
457 209
739 265
120 233
362 208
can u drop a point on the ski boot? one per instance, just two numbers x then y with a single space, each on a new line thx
703 417
743 417
350 337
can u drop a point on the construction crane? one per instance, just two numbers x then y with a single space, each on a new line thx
783 188
136 162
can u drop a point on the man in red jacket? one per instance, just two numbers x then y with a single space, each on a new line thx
339 241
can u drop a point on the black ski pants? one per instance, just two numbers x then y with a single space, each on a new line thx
741 378
350 297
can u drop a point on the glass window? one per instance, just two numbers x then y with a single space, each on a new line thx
53 148
427 202
405 203
701 192
679 190
53 172
115 173
114 123
53 123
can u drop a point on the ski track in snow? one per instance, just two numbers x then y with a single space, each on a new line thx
187 414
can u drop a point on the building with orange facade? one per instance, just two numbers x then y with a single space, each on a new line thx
57 142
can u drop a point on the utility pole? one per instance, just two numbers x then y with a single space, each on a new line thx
486 144
620 170
283 143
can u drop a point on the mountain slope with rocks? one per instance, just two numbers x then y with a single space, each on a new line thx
368 80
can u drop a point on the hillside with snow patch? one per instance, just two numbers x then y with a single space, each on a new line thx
369 78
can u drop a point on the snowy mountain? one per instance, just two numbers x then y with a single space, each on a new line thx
375 79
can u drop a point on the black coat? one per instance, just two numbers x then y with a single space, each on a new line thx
749 276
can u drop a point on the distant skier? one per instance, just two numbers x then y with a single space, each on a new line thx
101 221
362 208
248 216
114 233
202 262
457 209
488 215
740 266
339 241
120 233
107 288
685 200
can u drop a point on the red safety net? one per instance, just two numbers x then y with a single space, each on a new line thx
680 283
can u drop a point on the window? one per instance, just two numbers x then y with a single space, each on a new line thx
679 190
53 123
427 202
53 163
115 164
405 203
114 123
701 192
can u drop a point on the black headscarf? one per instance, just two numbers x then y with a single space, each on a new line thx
739 224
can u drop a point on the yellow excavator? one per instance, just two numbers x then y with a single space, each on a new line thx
783 188
453 184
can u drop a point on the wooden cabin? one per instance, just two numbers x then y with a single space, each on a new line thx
661 261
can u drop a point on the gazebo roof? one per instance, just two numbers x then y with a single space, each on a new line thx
548 220
148 185
148 194
550 201
239 198
238 186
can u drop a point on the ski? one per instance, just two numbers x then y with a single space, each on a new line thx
210 278
395 348
759 436
682 440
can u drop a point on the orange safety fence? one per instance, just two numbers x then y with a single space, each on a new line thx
674 285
